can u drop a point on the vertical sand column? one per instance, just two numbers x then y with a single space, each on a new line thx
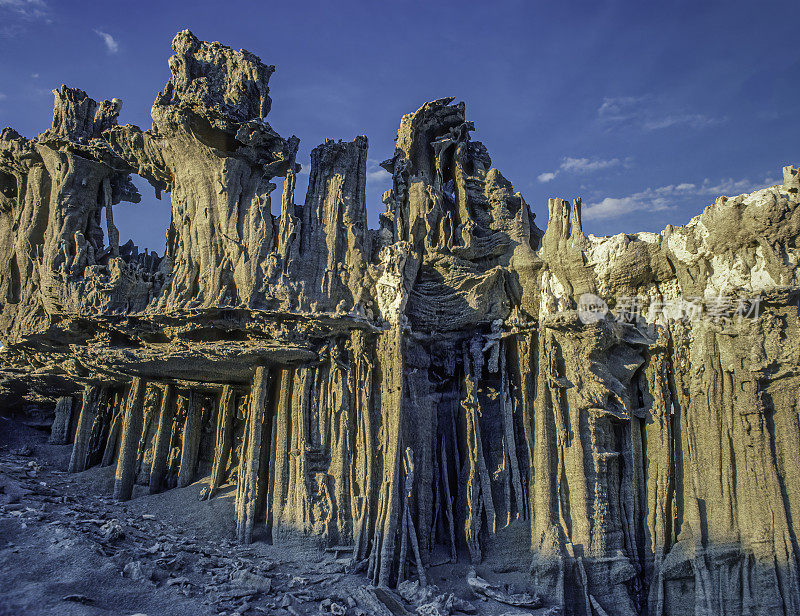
510 436
191 440
365 445
152 406
295 514
478 489
59 433
158 469
420 435
118 411
131 431
222 448
280 473
525 374
99 429
248 488
474 503
544 504
390 354
91 398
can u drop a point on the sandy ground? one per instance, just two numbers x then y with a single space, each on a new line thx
66 548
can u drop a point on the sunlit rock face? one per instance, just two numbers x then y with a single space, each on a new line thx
631 401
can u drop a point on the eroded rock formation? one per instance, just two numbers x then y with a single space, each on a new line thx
632 400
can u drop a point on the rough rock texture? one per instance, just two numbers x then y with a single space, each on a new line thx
425 385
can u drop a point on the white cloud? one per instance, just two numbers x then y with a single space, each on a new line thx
376 173
672 189
2 96
650 200
586 165
611 207
669 196
620 108
111 43
28 9
579 165
731 187
378 179
693 120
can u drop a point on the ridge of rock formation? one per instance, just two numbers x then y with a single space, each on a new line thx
631 401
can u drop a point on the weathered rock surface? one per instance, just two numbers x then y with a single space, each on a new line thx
632 400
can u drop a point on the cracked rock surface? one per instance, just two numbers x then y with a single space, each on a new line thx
597 425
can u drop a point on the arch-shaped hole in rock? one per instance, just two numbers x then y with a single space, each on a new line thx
277 196
144 223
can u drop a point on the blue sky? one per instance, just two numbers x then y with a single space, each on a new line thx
647 110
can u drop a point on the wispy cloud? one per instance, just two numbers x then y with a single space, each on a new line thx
579 165
692 120
731 188
620 108
3 96
28 9
11 31
111 43
670 196
649 114
17 16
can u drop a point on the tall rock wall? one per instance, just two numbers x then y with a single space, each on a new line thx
630 402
